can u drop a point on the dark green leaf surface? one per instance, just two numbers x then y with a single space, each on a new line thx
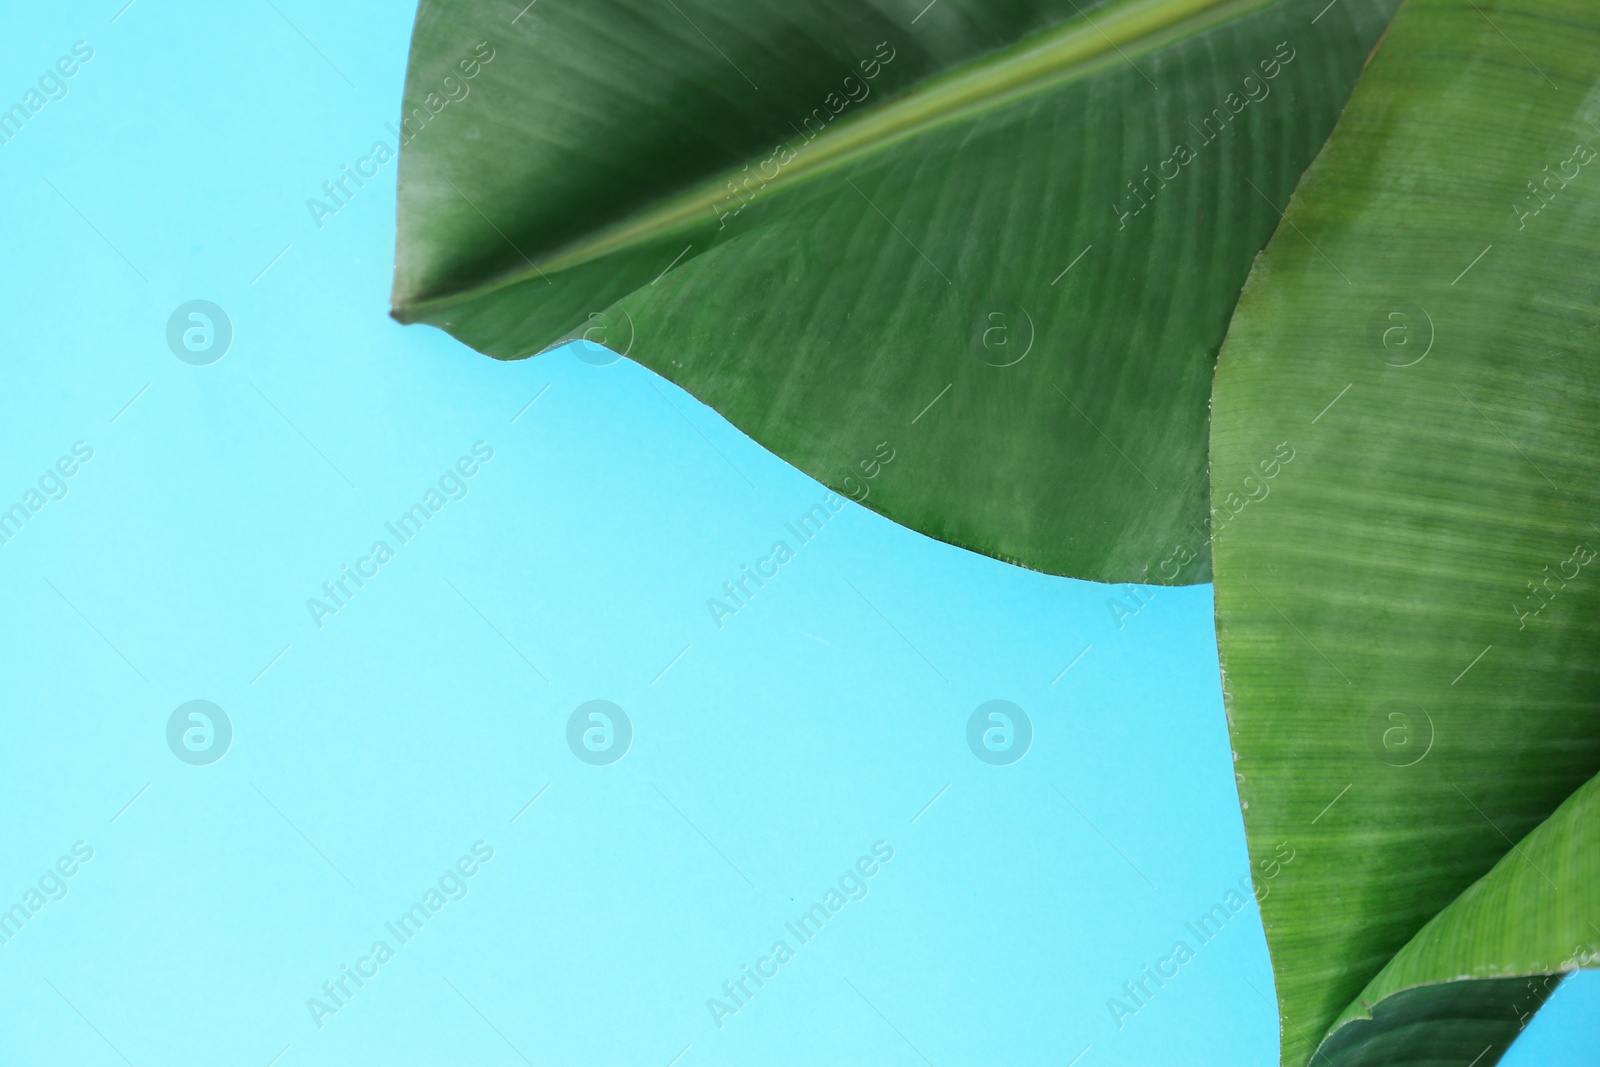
1409 613
904 276
1435 1026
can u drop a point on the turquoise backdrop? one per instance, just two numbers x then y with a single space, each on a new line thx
397 745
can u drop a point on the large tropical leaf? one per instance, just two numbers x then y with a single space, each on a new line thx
1409 622
1003 238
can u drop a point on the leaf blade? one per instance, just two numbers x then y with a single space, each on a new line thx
882 298
1433 364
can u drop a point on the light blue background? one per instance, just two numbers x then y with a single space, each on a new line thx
371 753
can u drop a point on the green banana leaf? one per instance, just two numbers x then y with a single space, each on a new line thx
1002 239
1409 613
1006 241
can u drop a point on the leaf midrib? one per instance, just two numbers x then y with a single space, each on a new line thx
1116 33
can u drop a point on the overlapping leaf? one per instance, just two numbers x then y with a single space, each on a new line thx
1409 613
1464 987
1003 238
